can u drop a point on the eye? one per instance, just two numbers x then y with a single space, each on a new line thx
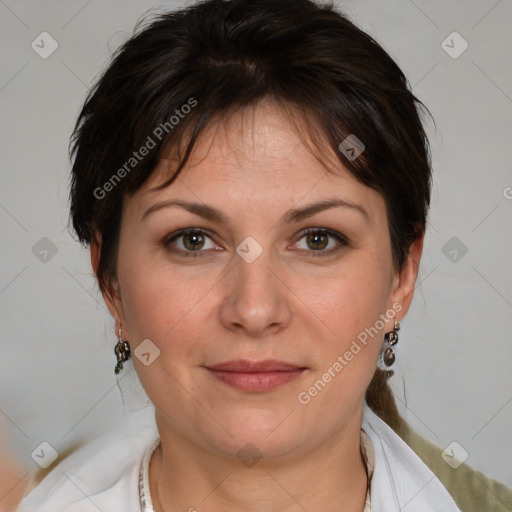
317 240
188 241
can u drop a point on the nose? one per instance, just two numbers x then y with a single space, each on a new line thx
256 300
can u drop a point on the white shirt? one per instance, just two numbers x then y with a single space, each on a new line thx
104 475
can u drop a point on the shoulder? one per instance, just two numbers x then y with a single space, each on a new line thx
471 489
102 474
400 477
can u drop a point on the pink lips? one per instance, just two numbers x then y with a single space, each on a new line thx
255 376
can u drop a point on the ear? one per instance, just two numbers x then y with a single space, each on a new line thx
404 282
110 290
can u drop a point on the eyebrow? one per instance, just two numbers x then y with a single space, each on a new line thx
289 217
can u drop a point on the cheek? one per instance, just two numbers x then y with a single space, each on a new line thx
356 309
148 302
353 300
170 306
155 304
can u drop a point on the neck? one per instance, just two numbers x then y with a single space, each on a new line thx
331 477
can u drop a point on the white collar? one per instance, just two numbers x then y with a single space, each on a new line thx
105 473
400 482
146 504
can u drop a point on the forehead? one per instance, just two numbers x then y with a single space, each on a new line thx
258 155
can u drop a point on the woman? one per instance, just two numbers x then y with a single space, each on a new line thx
253 179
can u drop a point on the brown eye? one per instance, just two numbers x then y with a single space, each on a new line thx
193 240
318 240
188 241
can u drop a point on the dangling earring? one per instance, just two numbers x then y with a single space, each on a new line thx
122 351
387 355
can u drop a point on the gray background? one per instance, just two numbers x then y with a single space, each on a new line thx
454 378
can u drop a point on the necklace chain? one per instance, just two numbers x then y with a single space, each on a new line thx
146 503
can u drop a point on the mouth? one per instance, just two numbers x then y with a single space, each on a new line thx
255 376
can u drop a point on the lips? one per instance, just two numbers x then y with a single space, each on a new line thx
255 376
245 366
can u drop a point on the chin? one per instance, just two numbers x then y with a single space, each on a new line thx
257 433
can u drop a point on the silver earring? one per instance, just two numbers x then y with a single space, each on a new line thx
387 355
122 351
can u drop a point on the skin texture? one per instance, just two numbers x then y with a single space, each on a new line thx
303 300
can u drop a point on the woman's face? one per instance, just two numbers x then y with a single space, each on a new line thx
248 285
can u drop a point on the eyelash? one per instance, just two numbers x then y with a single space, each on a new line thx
342 240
